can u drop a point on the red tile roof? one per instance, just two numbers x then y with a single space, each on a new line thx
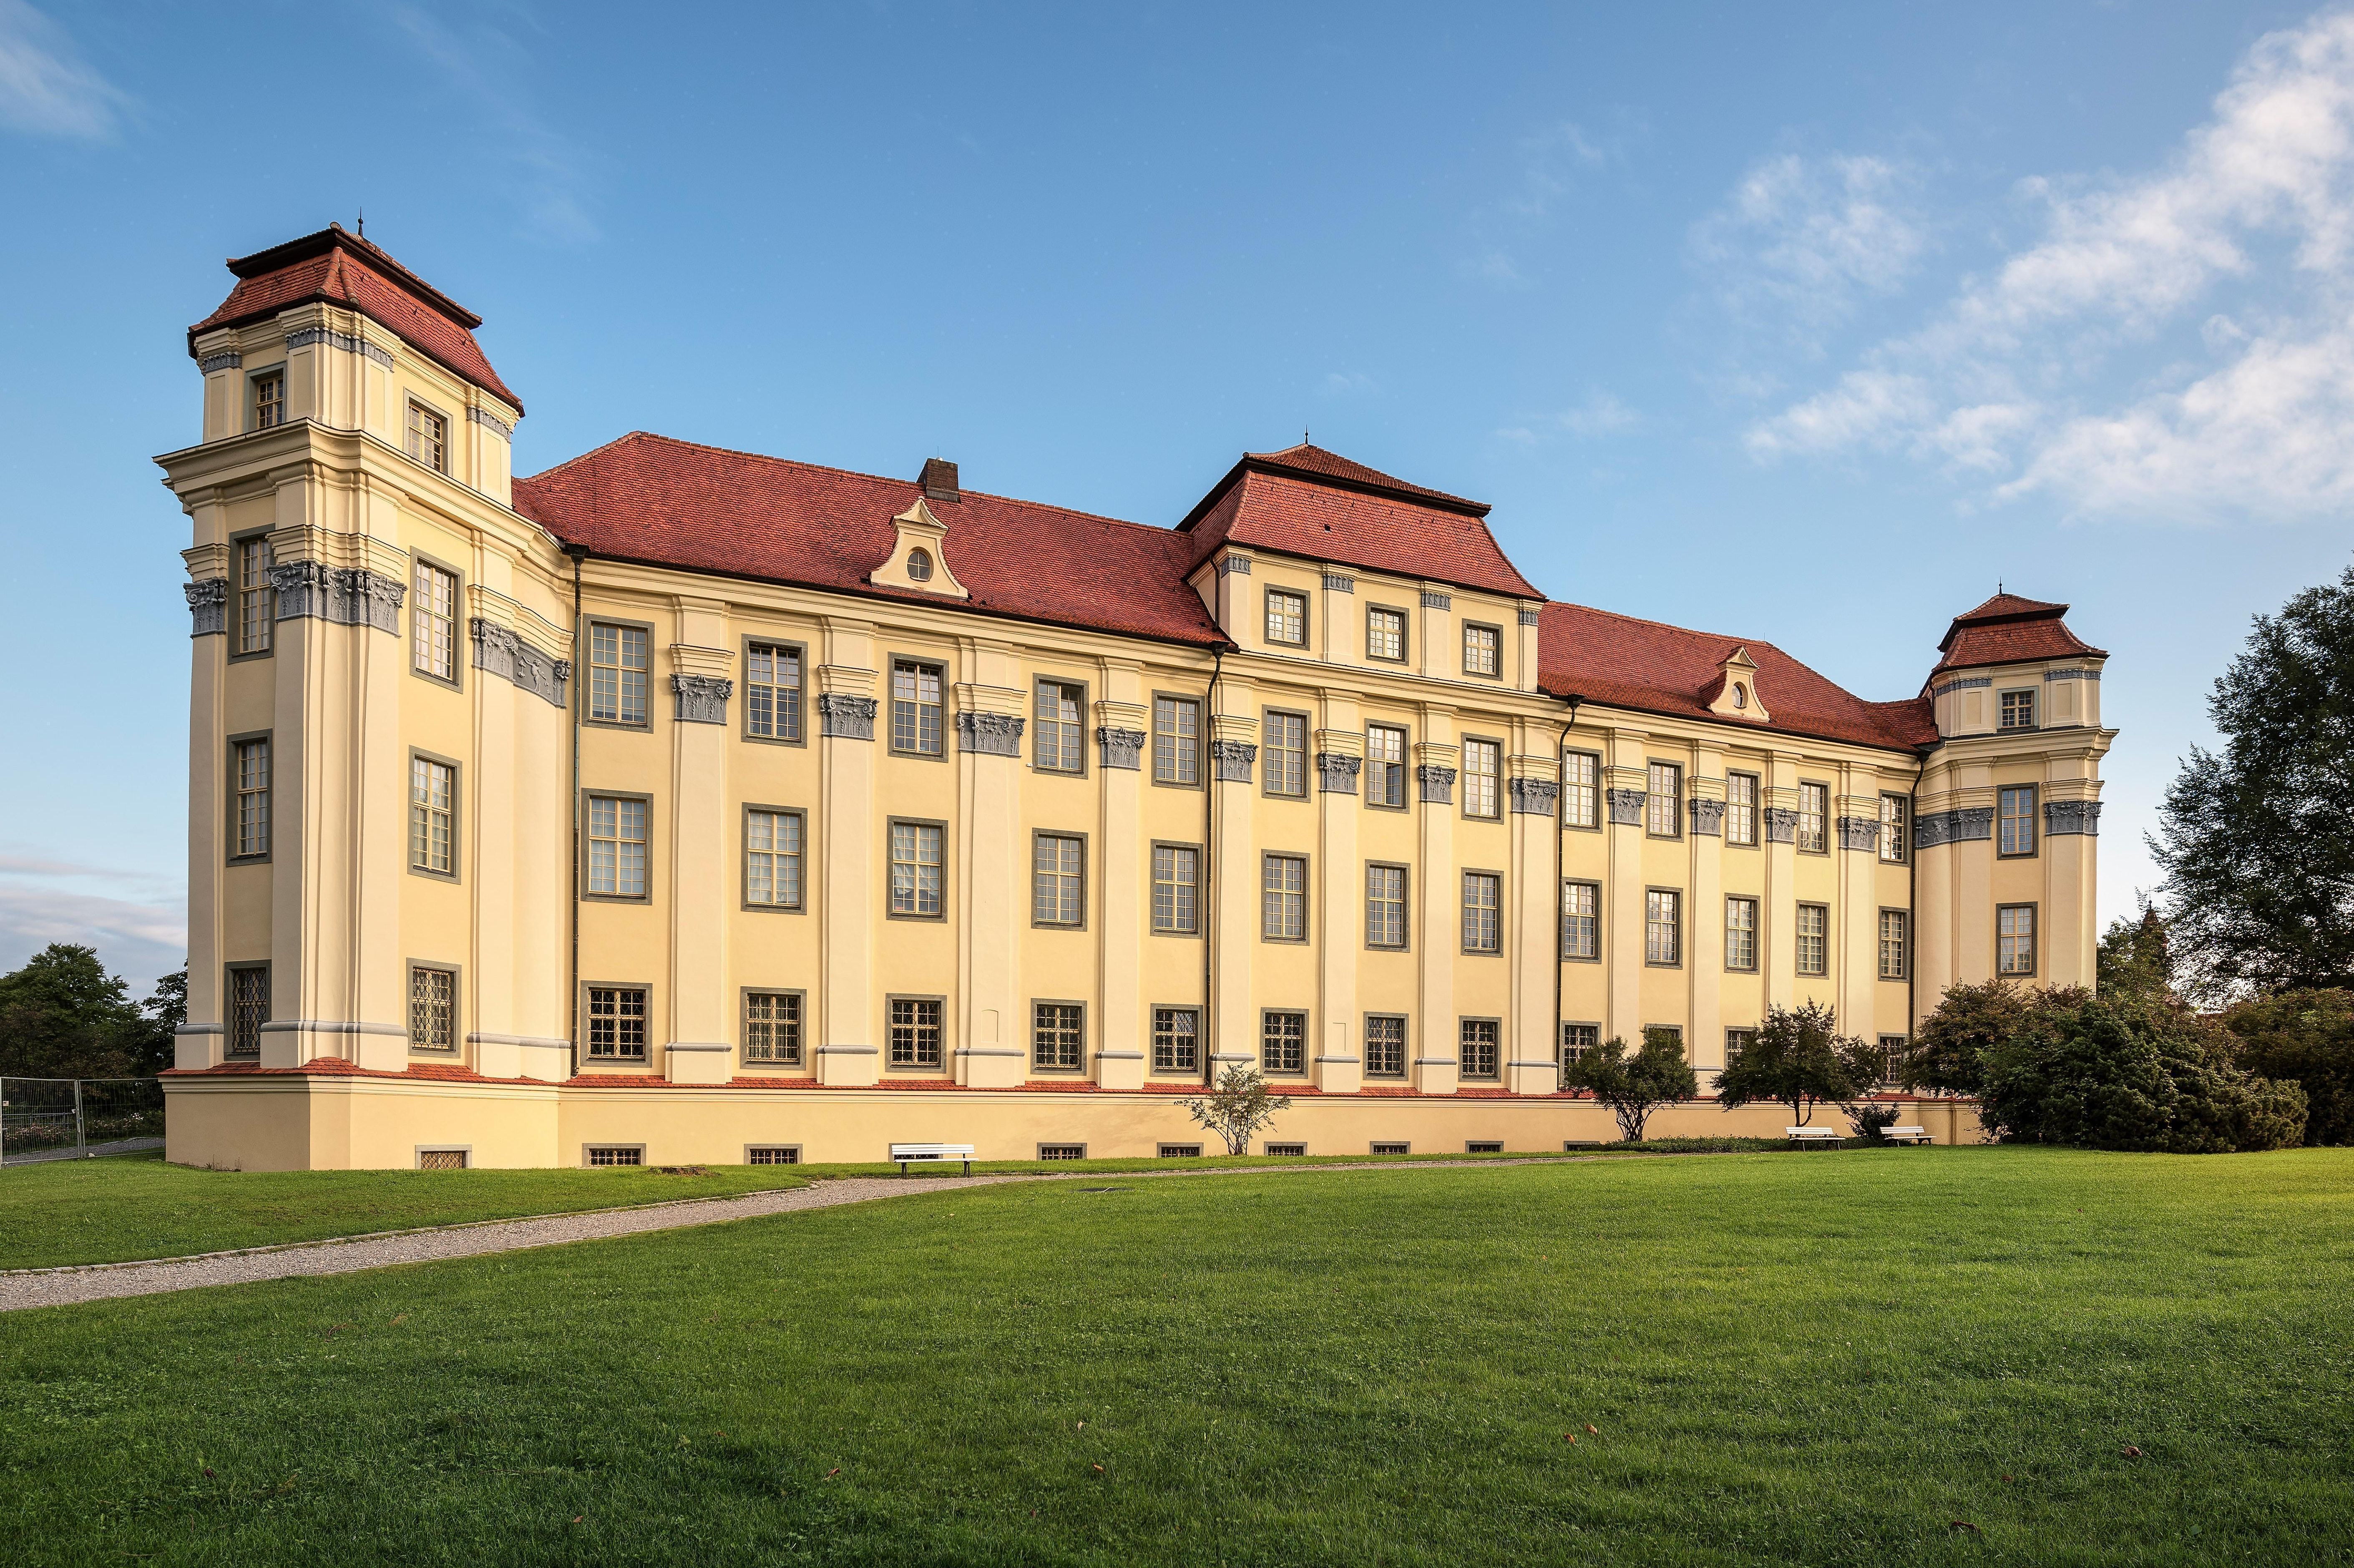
344 270
1626 663
1320 506
2009 630
669 502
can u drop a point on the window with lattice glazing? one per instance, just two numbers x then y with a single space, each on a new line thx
1059 890
432 817
1057 1042
432 1009
915 1031
1284 903
618 661
433 623
1477 1056
617 1022
1576 1040
248 1009
1283 1042
1059 706
772 691
1176 1040
772 1028
1386 1046
256 600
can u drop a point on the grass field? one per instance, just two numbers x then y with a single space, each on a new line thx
1824 1359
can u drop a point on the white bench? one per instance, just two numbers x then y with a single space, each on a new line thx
906 1154
1813 1135
1906 1135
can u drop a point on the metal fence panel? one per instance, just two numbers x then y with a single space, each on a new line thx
54 1117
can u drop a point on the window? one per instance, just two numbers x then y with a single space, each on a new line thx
269 400
1894 946
1576 1040
1476 1054
1176 890
252 760
432 1009
1741 809
1741 933
1392 1148
1176 1040
617 847
916 869
2015 823
1482 761
1283 1042
1176 741
617 674
1062 1152
1386 633
1479 649
1581 920
1385 907
432 817
1664 801
1285 753
617 1022
2014 939
919 565
248 1009
772 859
433 623
1059 707
773 1154
1284 906
2018 710
772 1028
1058 882
601 1154
915 1031
1580 789
1484 1146
1482 896
914 708
1287 618
1736 1040
1895 822
1662 926
257 600
1283 1149
1893 1049
442 1159
1385 1045
1814 817
1057 1039
428 437
1384 764
1814 938
1180 1152
772 691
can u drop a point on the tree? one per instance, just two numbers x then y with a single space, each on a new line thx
63 1016
1237 1107
2259 865
1656 1077
2135 958
2305 1037
1799 1059
1950 1052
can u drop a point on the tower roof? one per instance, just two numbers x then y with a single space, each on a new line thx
343 269
2008 628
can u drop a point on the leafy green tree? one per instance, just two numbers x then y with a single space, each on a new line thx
1635 1088
1238 1106
1799 1059
1949 1051
2305 1037
2259 865
2135 958
63 1016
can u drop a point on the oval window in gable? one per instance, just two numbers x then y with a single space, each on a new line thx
919 565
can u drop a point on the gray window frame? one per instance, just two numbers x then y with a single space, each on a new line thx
455 680
1756 933
589 795
1675 815
1266 614
1404 944
230 791
1307 891
235 625
1404 764
1406 1046
1085 706
1798 939
1561 1057
1307 1039
588 986
1756 809
1080 1067
1798 828
1200 747
1464 743
744 858
457 818
1561 913
449 436
1306 755
229 971
1463 1023
1404 654
1649 961
948 890
800 692
2034 710
891 1068
940 668
1466 628
1035 835
1463 910
744 995
252 424
586 674
2033 818
1904 944
1153 885
1900 838
1152 1037
1600 815
2034 941
457 973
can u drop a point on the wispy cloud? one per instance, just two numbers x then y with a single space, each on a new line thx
1553 159
551 171
135 920
2012 384
1341 384
1600 416
1801 241
46 88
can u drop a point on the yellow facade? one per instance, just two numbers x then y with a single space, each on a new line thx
343 916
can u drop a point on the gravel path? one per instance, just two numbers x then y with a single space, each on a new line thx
98 1281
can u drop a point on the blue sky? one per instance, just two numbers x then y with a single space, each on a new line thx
1804 323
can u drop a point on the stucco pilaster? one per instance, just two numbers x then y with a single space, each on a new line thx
992 1048
1338 1066
704 878
1624 786
1234 880
1777 937
1533 927
847 1009
1704 950
1438 931
1122 861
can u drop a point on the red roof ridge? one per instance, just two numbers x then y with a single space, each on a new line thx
1731 644
1325 463
335 237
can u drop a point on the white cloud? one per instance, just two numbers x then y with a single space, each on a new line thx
137 922
1802 240
552 173
1340 384
2016 380
1600 415
45 87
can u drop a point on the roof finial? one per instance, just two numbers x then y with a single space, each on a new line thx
362 223
1303 435
1997 585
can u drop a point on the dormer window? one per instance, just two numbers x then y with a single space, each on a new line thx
919 565
1287 618
1740 696
2018 710
428 437
269 400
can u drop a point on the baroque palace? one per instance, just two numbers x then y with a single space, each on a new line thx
678 804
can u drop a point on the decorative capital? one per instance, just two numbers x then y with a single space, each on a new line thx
1437 784
2063 817
1231 761
1781 825
1626 807
991 735
702 699
1340 582
1120 748
1433 599
1528 616
845 718
207 605
1708 818
1859 833
226 359
1337 772
1535 796
480 415
1234 566
341 595
499 650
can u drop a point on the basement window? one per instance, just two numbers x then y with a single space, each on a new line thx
773 1154
1478 1147
1392 1148
1181 1151
442 1159
601 1154
1281 1148
1062 1152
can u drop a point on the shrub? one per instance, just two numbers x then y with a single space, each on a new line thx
1949 1053
2094 1074
2305 1037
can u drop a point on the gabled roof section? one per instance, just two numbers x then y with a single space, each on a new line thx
2007 629
668 502
1320 506
344 270
1621 662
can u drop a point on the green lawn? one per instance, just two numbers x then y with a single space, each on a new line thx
1819 1360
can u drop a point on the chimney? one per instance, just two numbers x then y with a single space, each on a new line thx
939 479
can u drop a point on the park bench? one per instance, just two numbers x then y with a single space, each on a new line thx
1906 1135
1815 1135
906 1154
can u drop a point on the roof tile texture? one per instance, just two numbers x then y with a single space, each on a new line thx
1373 533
